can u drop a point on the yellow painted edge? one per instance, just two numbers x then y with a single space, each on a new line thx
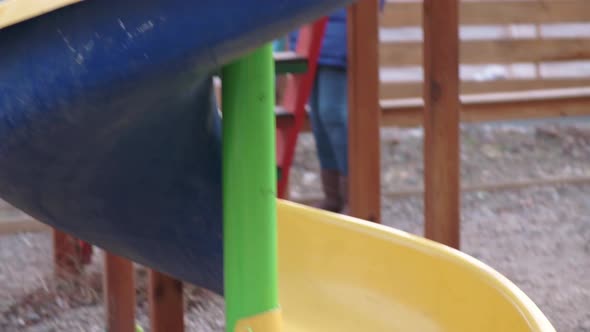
270 321
15 11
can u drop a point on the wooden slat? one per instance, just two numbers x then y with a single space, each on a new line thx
119 294
14 11
404 90
290 63
166 303
493 51
489 187
492 107
441 122
397 14
288 56
67 260
22 225
496 106
364 112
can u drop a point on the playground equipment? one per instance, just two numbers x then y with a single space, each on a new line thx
342 274
109 131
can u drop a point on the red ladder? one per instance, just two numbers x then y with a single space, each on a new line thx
292 112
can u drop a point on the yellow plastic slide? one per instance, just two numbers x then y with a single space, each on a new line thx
342 274
14 11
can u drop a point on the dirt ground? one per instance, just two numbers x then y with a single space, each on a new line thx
536 235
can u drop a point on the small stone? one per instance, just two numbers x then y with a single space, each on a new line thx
33 316
491 151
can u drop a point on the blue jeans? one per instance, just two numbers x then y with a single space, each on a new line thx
329 118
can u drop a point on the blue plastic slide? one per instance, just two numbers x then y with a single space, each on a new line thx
108 123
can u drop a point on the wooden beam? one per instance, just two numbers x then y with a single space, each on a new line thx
22 225
491 107
441 122
166 303
403 13
119 294
405 90
496 106
364 111
67 260
394 54
487 187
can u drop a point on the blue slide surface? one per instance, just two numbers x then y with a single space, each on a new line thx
108 124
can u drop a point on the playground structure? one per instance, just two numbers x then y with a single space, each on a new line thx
362 100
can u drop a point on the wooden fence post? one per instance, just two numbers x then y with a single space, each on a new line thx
119 293
364 111
66 256
441 121
166 303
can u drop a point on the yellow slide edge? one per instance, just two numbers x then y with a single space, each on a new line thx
270 321
15 11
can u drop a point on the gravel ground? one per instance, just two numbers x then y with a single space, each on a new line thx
538 236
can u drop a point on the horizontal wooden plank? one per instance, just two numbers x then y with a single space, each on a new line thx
396 90
397 14
290 63
496 106
287 56
22 225
476 187
493 51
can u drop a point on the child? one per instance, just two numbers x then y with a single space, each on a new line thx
329 112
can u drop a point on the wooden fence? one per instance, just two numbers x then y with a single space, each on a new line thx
519 59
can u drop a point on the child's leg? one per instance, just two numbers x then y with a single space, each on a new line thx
330 176
323 143
333 112
333 107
